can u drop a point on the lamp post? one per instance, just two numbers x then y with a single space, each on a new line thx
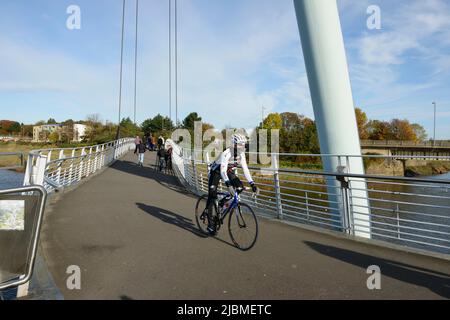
434 125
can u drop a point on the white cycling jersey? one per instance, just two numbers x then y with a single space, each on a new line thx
227 161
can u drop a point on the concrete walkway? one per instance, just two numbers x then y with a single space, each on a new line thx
132 232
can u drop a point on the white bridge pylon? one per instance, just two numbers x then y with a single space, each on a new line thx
331 94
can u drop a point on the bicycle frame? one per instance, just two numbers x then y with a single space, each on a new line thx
233 205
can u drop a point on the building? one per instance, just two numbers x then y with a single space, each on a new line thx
43 132
72 133
79 132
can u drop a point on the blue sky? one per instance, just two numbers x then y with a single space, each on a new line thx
234 57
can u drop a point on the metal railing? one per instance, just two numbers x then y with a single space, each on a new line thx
11 160
406 143
58 168
17 262
405 211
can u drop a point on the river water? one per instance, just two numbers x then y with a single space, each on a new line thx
10 179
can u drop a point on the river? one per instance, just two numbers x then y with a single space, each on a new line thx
10 179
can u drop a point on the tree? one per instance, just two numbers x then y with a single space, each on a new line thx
67 133
191 118
95 130
14 128
291 120
9 127
378 130
53 137
402 130
27 130
420 132
157 125
272 121
361 121
129 129
51 121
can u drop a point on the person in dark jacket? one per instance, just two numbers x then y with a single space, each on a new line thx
140 150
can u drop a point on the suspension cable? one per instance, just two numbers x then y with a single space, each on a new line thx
170 59
121 70
176 62
135 59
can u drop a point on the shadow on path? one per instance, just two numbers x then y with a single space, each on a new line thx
437 282
177 220
171 218
167 181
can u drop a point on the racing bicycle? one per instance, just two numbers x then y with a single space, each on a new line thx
242 221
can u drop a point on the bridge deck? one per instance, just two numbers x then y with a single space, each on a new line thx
132 232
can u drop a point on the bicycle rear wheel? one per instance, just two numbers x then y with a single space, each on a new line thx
200 217
243 227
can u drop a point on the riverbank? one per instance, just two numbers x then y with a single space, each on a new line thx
406 168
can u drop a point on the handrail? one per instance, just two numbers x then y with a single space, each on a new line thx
36 233
72 164
413 212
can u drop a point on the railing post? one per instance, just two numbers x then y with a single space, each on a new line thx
398 221
41 164
345 214
58 172
194 172
89 170
27 180
307 205
116 149
276 180
97 158
72 155
80 172
102 156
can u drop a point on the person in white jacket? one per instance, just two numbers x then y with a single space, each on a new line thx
224 168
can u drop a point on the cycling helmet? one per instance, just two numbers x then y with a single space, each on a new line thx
238 138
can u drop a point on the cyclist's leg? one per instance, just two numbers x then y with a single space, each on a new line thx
213 183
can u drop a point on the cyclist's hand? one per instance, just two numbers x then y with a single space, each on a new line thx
254 187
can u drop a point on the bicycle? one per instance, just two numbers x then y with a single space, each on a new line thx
241 218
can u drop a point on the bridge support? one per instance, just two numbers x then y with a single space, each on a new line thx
331 94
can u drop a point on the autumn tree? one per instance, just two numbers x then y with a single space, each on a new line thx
402 130
272 121
361 121
420 132
378 130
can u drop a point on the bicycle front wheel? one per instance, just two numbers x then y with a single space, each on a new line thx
243 227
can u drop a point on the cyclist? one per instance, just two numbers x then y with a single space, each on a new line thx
224 167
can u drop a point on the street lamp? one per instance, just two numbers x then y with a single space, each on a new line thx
434 126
